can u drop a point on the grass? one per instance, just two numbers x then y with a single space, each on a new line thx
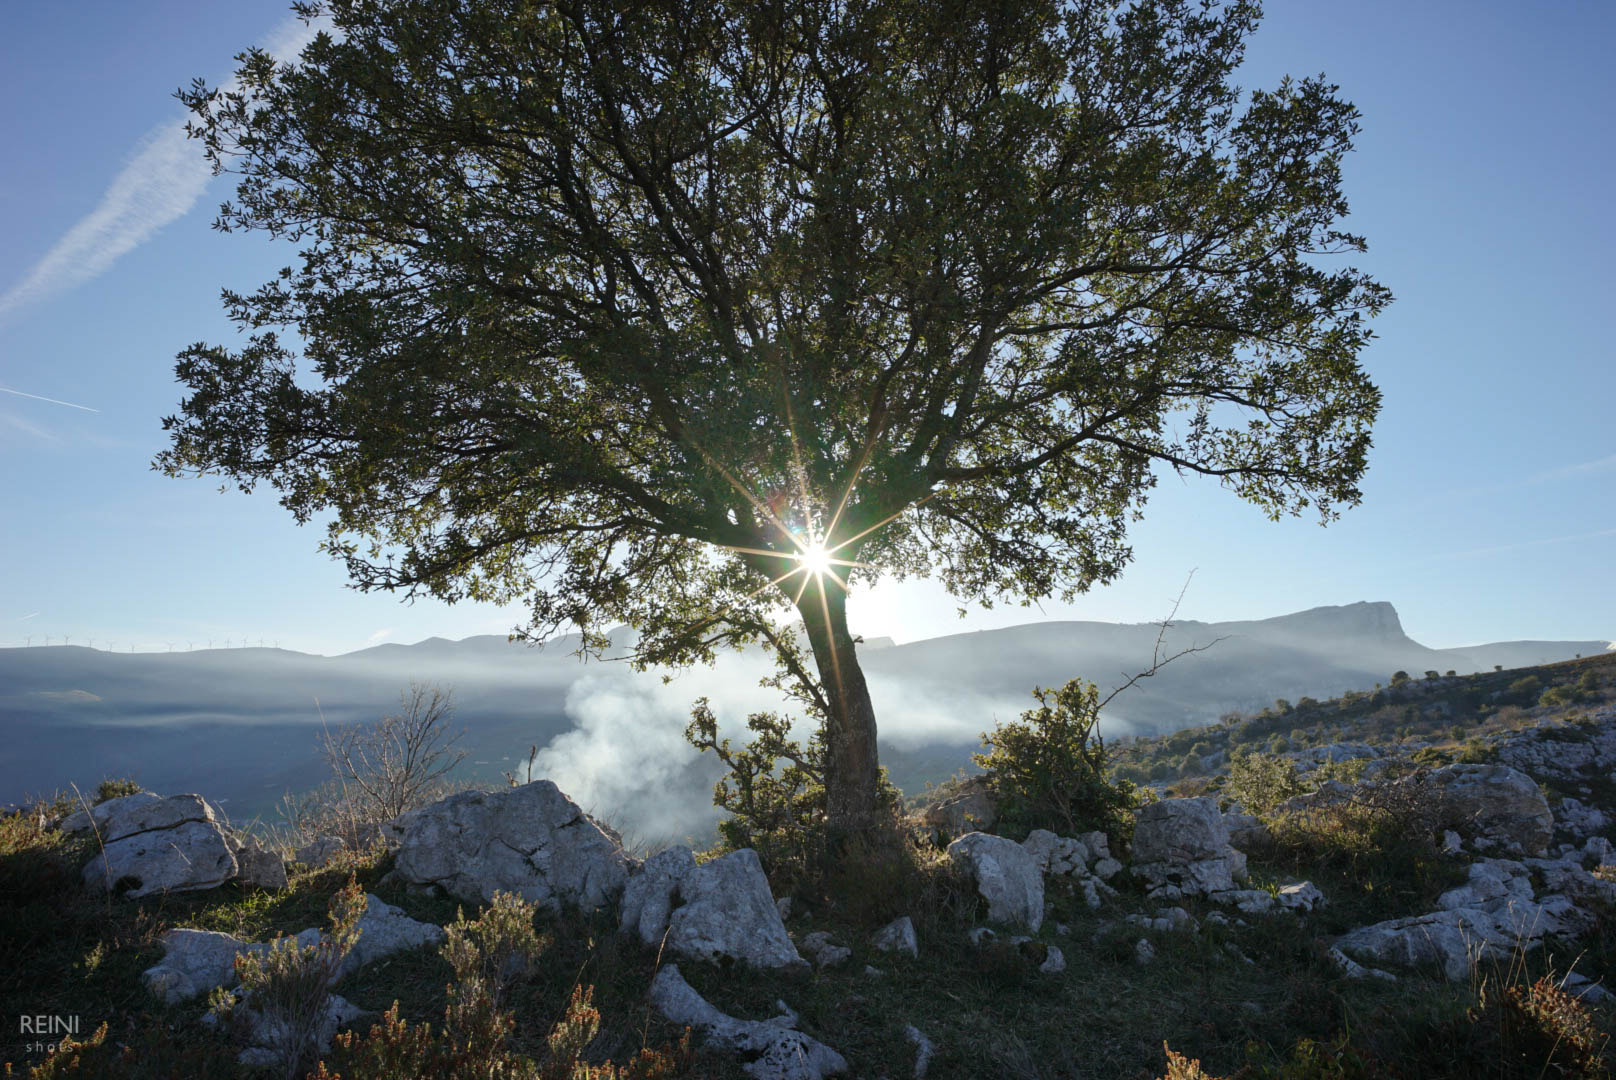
987 1010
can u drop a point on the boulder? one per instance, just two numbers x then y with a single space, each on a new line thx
531 840
319 851
923 1050
728 914
972 807
1057 854
190 856
144 811
1493 801
825 954
1005 874
1457 938
1181 848
1247 831
649 896
256 865
177 843
1302 896
1179 831
774 1048
196 961
897 936
385 930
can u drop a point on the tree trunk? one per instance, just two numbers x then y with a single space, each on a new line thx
851 766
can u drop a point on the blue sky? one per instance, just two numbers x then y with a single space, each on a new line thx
1481 179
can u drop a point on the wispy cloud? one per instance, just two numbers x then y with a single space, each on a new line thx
1522 545
1584 468
27 427
386 631
28 616
162 181
53 401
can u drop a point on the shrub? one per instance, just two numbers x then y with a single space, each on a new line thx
114 789
1260 782
497 948
1525 689
486 955
397 763
289 985
777 810
1050 769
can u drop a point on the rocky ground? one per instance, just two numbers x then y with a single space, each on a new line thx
1374 906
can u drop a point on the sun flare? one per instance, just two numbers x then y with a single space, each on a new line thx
815 559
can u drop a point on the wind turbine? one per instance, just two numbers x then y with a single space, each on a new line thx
170 645
47 639
27 640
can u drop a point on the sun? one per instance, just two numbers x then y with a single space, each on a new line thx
815 559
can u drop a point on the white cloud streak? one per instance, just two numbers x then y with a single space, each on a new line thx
30 615
53 401
161 183
1564 472
1500 548
378 635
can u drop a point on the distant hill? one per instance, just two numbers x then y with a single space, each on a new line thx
250 717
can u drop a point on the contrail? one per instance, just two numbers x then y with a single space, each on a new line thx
162 181
25 618
53 401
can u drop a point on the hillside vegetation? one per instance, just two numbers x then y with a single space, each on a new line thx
1254 995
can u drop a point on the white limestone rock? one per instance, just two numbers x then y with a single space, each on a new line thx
1006 876
190 856
652 890
824 954
531 840
255 864
897 936
1181 848
972 807
319 851
1302 896
923 1050
1060 855
777 1051
1496 802
197 961
728 912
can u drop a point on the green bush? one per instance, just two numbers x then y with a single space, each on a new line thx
1050 768
776 809
289 985
114 789
1525 689
1260 782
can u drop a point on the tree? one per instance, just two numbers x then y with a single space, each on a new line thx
689 317
396 762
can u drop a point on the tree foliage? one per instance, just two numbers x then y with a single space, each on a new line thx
607 307
1050 769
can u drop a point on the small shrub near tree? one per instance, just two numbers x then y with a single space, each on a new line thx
1050 768
774 792
289 986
